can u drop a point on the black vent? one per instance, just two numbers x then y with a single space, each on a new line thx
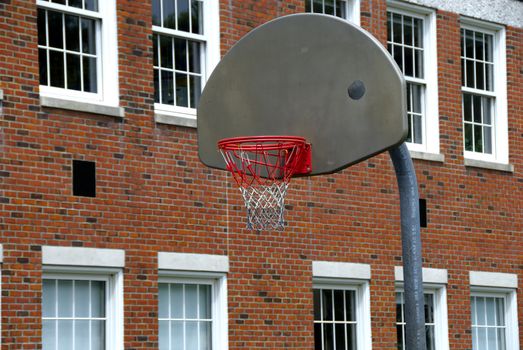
84 178
423 212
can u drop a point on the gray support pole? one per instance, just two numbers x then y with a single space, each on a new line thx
411 247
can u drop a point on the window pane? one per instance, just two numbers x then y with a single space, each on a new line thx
327 304
328 336
396 28
167 87
477 108
482 339
41 27
54 21
418 68
317 6
73 72
489 77
480 75
340 336
65 298
469 71
339 312
329 7
156 86
88 36
196 88
166 51
409 62
194 57
157 13
350 301
183 15
491 311
469 43
81 335
398 56
399 336
479 46
205 336
191 301
49 298
317 336
418 32
417 129
429 308
341 9
180 54
489 48
492 338
468 137
49 335
163 300
205 302
501 338
65 334
169 15
399 307
91 5
163 335
480 311
177 301
191 339
467 107
81 298
177 335
416 98
475 339
317 305
181 90
351 337
97 299
90 79
429 337
501 311
75 3
98 334
407 31
72 33
478 138
197 16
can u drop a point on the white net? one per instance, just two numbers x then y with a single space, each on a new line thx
265 205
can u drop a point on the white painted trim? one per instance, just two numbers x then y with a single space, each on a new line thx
1 254
489 165
193 262
433 157
354 12
79 256
430 275
89 107
493 279
329 269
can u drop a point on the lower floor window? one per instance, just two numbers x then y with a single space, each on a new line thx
488 322
429 320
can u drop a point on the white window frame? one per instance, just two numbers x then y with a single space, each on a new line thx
210 56
107 52
500 151
430 148
113 279
352 9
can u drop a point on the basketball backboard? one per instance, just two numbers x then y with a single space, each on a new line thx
309 75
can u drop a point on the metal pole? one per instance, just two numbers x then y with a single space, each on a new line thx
411 247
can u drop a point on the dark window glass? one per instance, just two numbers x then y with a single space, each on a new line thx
56 38
42 64
183 15
73 72
156 87
72 33
42 38
56 64
167 87
88 36
197 17
180 53
90 78
196 88
182 96
157 19
169 14
166 51
91 5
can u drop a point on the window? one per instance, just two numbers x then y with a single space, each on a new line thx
411 42
80 311
346 9
77 50
190 312
429 320
483 80
185 49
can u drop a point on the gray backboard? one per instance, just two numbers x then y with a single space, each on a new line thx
293 76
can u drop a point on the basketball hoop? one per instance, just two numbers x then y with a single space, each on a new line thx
262 166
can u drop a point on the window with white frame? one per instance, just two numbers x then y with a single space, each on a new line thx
81 310
411 42
430 319
77 50
346 9
483 80
493 320
340 315
190 312
185 50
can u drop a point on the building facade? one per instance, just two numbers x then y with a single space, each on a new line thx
114 235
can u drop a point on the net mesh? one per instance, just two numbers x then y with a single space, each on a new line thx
263 167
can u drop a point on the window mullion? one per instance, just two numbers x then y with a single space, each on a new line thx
176 14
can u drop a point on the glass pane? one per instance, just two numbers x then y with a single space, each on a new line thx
307 5
351 337
482 339
329 7
416 98
418 68
328 336
191 301
317 336
399 336
155 50
350 301
479 46
163 300
469 70
317 6
396 28
176 295
65 334
429 308
196 89
72 33
65 298
409 62
59 1
205 336
163 335
462 41
418 32
467 107
489 77
501 339
486 103
480 75
492 338
463 76
166 51
167 87
429 337
407 31
317 305
468 137
181 90
489 48
341 9
180 54
73 72
54 21
205 302
399 307
473 310
98 335
41 27
97 299
410 130
197 16
389 26
75 3
501 311
340 336
91 5
475 338
183 15
491 311
177 335
88 36
90 79
157 21
194 57
156 86
477 108
469 44
480 311
49 335
327 304
478 138
417 129
398 56
169 15
191 339
49 298
339 311
81 298
81 335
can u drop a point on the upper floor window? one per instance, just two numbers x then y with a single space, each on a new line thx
185 50
346 9
483 81
411 42
77 50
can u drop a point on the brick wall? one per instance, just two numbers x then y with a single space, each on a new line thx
154 195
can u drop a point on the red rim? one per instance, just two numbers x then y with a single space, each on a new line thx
252 143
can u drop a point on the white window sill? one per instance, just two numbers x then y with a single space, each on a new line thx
89 107
489 165
433 157
172 119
